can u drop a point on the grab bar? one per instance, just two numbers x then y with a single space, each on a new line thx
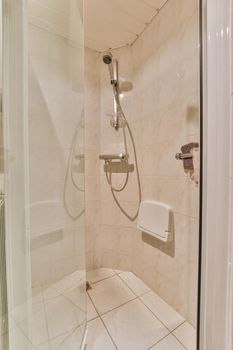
181 156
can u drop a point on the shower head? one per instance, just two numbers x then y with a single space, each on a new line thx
107 57
112 66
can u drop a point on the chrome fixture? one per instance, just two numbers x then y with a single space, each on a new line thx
110 157
181 156
118 167
113 71
119 163
75 166
112 66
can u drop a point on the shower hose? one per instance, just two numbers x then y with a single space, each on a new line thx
70 171
109 176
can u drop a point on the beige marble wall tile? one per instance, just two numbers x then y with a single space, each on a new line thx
163 112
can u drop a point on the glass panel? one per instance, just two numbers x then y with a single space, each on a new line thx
44 163
154 91
56 171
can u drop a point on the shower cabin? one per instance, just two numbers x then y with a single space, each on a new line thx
102 179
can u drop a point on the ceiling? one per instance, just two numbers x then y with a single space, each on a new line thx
110 24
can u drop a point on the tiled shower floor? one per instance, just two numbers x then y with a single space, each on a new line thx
124 314
53 318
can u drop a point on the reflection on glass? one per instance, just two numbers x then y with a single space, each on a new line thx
56 174
47 307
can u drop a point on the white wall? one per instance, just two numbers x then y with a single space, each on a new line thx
217 192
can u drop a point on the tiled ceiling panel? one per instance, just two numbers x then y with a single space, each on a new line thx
115 23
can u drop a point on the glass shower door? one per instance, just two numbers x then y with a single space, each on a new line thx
56 168
44 174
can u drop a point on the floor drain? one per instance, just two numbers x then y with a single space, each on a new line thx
88 286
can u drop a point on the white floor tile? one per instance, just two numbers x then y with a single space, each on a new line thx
91 312
19 340
110 293
134 283
37 298
23 311
97 275
68 281
62 316
97 336
77 296
133 326
55 342
162 310
50 293
186 335
35 328
73 341
168 343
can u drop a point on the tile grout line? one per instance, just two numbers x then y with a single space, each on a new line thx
158 341
109 334
104 278
68 336
46 320
158 316
94 308
29 341
93 304
116 307
67 300
72 303
131 288
54 288
179 326
155 315
71 331
178 338
99 316
170 332
17 325
180 342
24 319
63 334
